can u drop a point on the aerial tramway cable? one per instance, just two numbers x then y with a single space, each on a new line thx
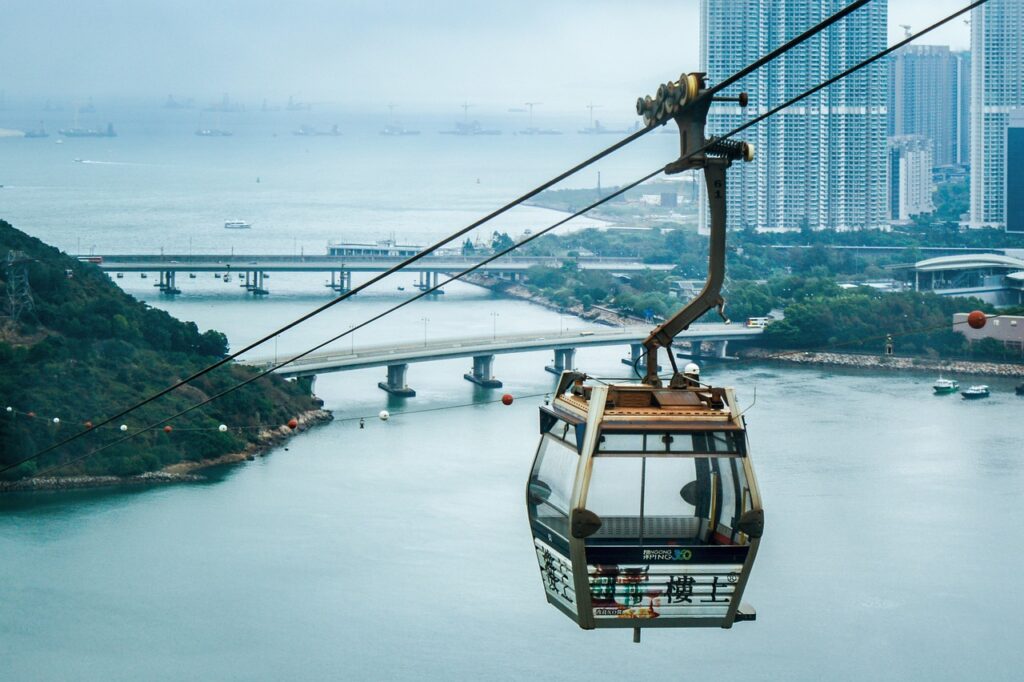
540 233
462 232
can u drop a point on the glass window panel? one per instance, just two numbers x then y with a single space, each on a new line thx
615 487
683 443
665 478
555 471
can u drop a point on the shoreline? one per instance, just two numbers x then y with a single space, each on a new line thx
595 314
179 472
886 363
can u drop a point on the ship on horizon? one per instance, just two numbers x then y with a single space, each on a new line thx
88 132
471 128
310 131
38 132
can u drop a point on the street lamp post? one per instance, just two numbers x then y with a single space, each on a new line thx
424 320
494 326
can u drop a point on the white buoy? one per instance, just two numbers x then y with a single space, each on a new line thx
222 428
384 415
56 420
10 409
124 427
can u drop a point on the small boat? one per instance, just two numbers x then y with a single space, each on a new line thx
120 275
401 288
236 225
217 275
191 275
143 275
975 392
945 386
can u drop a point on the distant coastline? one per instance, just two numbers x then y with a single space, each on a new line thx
886 363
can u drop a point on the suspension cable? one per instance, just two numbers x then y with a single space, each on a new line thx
618 192
427 251
352 292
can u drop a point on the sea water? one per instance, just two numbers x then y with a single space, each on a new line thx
401 550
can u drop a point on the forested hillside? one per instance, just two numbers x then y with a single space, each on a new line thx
86 349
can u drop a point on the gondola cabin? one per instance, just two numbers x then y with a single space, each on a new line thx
643 504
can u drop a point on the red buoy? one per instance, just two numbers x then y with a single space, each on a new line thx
293 423
976 319
168 428
88 425
506 399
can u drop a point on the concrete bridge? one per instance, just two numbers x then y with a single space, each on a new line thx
251 270
483 349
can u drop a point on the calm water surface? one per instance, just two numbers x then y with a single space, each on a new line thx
401 551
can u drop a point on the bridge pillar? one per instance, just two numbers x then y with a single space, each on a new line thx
167 282
565 358
637 358
341 281
395 385
721 349
257 287
482 373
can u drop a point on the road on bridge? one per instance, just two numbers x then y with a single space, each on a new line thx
339 360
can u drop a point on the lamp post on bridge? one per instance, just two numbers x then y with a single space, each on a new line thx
494 326
424 320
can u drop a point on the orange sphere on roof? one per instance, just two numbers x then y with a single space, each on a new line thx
507 399
976 319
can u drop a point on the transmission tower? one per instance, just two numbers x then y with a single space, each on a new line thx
19 293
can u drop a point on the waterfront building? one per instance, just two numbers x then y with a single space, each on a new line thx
923 98
910 177
997 66
1009 329
820 164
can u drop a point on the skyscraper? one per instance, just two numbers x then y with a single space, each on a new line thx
963 107
997 90
822 163
923 98
910 177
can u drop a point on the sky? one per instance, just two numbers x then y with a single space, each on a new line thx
364 54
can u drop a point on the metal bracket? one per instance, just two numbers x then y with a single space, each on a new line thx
688 103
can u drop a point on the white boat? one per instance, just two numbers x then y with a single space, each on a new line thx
236 225
943 386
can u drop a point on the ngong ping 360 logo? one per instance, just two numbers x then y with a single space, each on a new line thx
676 554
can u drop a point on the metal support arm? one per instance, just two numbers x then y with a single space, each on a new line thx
711 295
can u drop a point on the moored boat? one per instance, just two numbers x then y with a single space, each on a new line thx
975 392
944 386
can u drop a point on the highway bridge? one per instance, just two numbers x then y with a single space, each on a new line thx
483 349
251 269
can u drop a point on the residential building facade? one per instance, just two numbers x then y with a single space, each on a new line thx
822 163
997 91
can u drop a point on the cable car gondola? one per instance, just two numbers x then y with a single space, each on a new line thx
642 499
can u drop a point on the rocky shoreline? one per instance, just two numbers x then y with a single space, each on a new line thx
887 363
180 472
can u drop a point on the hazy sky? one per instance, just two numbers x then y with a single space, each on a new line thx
367 53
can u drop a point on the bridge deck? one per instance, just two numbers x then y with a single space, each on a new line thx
377 356
271 263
